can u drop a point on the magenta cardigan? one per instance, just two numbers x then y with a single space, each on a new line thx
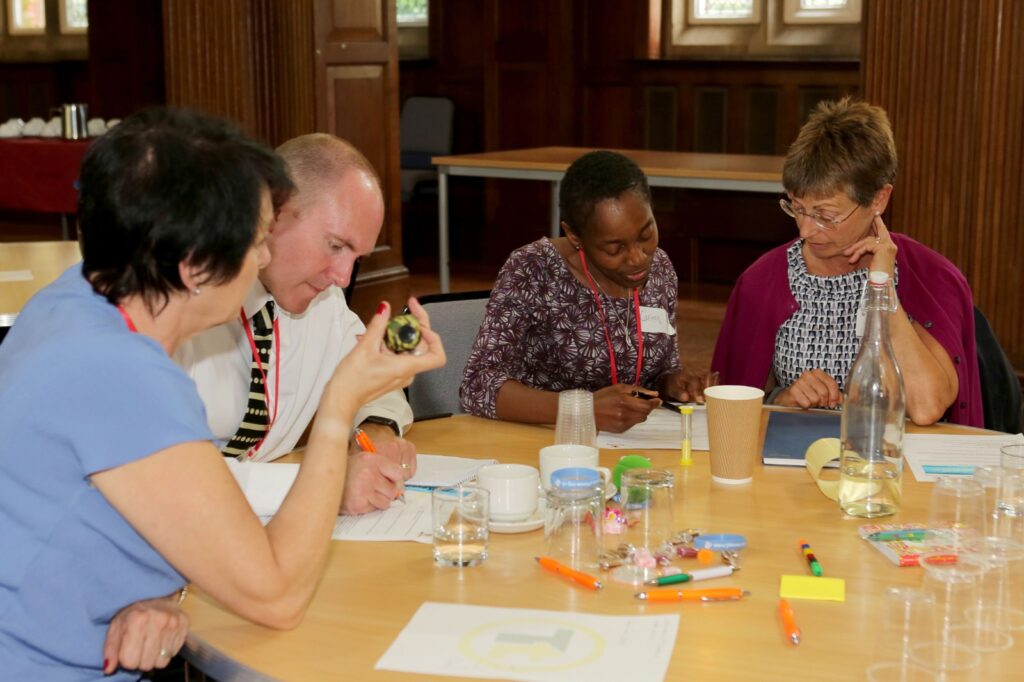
931 289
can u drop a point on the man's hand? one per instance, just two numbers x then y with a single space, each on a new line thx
372 482
616 408
145 635
401 452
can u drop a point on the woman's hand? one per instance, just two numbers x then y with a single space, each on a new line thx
616 408
371 370
686 387
880 245
814 388
145 635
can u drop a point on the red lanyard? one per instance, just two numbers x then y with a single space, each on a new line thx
127 319
276 347
608 336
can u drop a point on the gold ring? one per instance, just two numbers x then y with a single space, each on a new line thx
406 465
164 653
878 240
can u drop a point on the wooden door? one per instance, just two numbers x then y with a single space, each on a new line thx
356 65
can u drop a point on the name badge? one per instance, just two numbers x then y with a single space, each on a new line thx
655 321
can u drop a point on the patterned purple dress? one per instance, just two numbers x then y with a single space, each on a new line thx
542 329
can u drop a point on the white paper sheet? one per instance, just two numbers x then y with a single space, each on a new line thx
532 645
16 276
934 455
435 471
661 431
409 520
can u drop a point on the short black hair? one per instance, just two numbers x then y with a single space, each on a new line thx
167 186
594 177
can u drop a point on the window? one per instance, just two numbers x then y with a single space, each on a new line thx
44 30
763 29
725 11
823 11
27 17
412 12
74 16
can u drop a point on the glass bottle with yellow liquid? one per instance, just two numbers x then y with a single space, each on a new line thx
871 431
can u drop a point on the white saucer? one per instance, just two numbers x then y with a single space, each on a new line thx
535 521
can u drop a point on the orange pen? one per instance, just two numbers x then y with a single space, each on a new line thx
364 441
574 575
717 594
788 622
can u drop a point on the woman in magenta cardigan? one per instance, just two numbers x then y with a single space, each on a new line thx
791 323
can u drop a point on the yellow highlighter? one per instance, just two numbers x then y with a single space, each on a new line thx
686 443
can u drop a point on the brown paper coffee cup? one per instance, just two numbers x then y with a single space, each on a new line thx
734 421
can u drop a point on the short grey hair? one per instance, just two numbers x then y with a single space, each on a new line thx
317 162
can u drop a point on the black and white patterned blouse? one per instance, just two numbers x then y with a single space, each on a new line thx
822 333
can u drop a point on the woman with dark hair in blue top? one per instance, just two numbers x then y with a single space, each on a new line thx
111 491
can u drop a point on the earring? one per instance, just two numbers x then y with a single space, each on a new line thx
198 291
877 214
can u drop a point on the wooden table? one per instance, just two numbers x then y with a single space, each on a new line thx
727 172
27 267
371 590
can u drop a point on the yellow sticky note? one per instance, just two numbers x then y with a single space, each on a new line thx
811 587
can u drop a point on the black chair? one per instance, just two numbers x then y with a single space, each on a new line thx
456 317
1000 388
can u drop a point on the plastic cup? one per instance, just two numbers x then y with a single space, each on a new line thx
955 587
990 478
734 422
958 507
646 501
907 620
573 529
575 422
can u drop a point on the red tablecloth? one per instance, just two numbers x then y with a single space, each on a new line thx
39 174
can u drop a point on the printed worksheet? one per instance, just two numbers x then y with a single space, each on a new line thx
408 520
931 455
661 431
532 645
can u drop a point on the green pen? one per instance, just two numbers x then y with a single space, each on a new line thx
670 579
887 535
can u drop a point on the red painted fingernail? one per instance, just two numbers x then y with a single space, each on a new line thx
382 307
106 662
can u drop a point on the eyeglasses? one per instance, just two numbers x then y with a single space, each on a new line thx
821 221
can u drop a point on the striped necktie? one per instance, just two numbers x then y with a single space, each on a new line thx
256 419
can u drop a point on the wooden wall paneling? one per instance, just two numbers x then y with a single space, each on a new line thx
356 80
126 56
290 96
209 59
948 73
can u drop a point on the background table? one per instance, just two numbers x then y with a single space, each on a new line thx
42 261
39 175
727 172
371 590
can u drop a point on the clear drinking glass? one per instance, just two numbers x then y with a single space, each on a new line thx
958 508
460 523
907 620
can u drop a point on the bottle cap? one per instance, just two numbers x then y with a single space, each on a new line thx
686 409
878 277
575 478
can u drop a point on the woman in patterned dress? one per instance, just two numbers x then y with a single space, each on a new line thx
791 324
595 310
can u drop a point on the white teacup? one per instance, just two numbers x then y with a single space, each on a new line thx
555 457
513 490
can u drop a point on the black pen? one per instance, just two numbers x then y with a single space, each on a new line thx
643 396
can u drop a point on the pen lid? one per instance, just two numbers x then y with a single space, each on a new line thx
720 542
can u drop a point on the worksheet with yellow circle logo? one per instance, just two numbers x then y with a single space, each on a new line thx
529 644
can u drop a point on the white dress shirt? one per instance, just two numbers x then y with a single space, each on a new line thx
219 360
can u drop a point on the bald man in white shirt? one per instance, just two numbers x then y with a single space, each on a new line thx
333 219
